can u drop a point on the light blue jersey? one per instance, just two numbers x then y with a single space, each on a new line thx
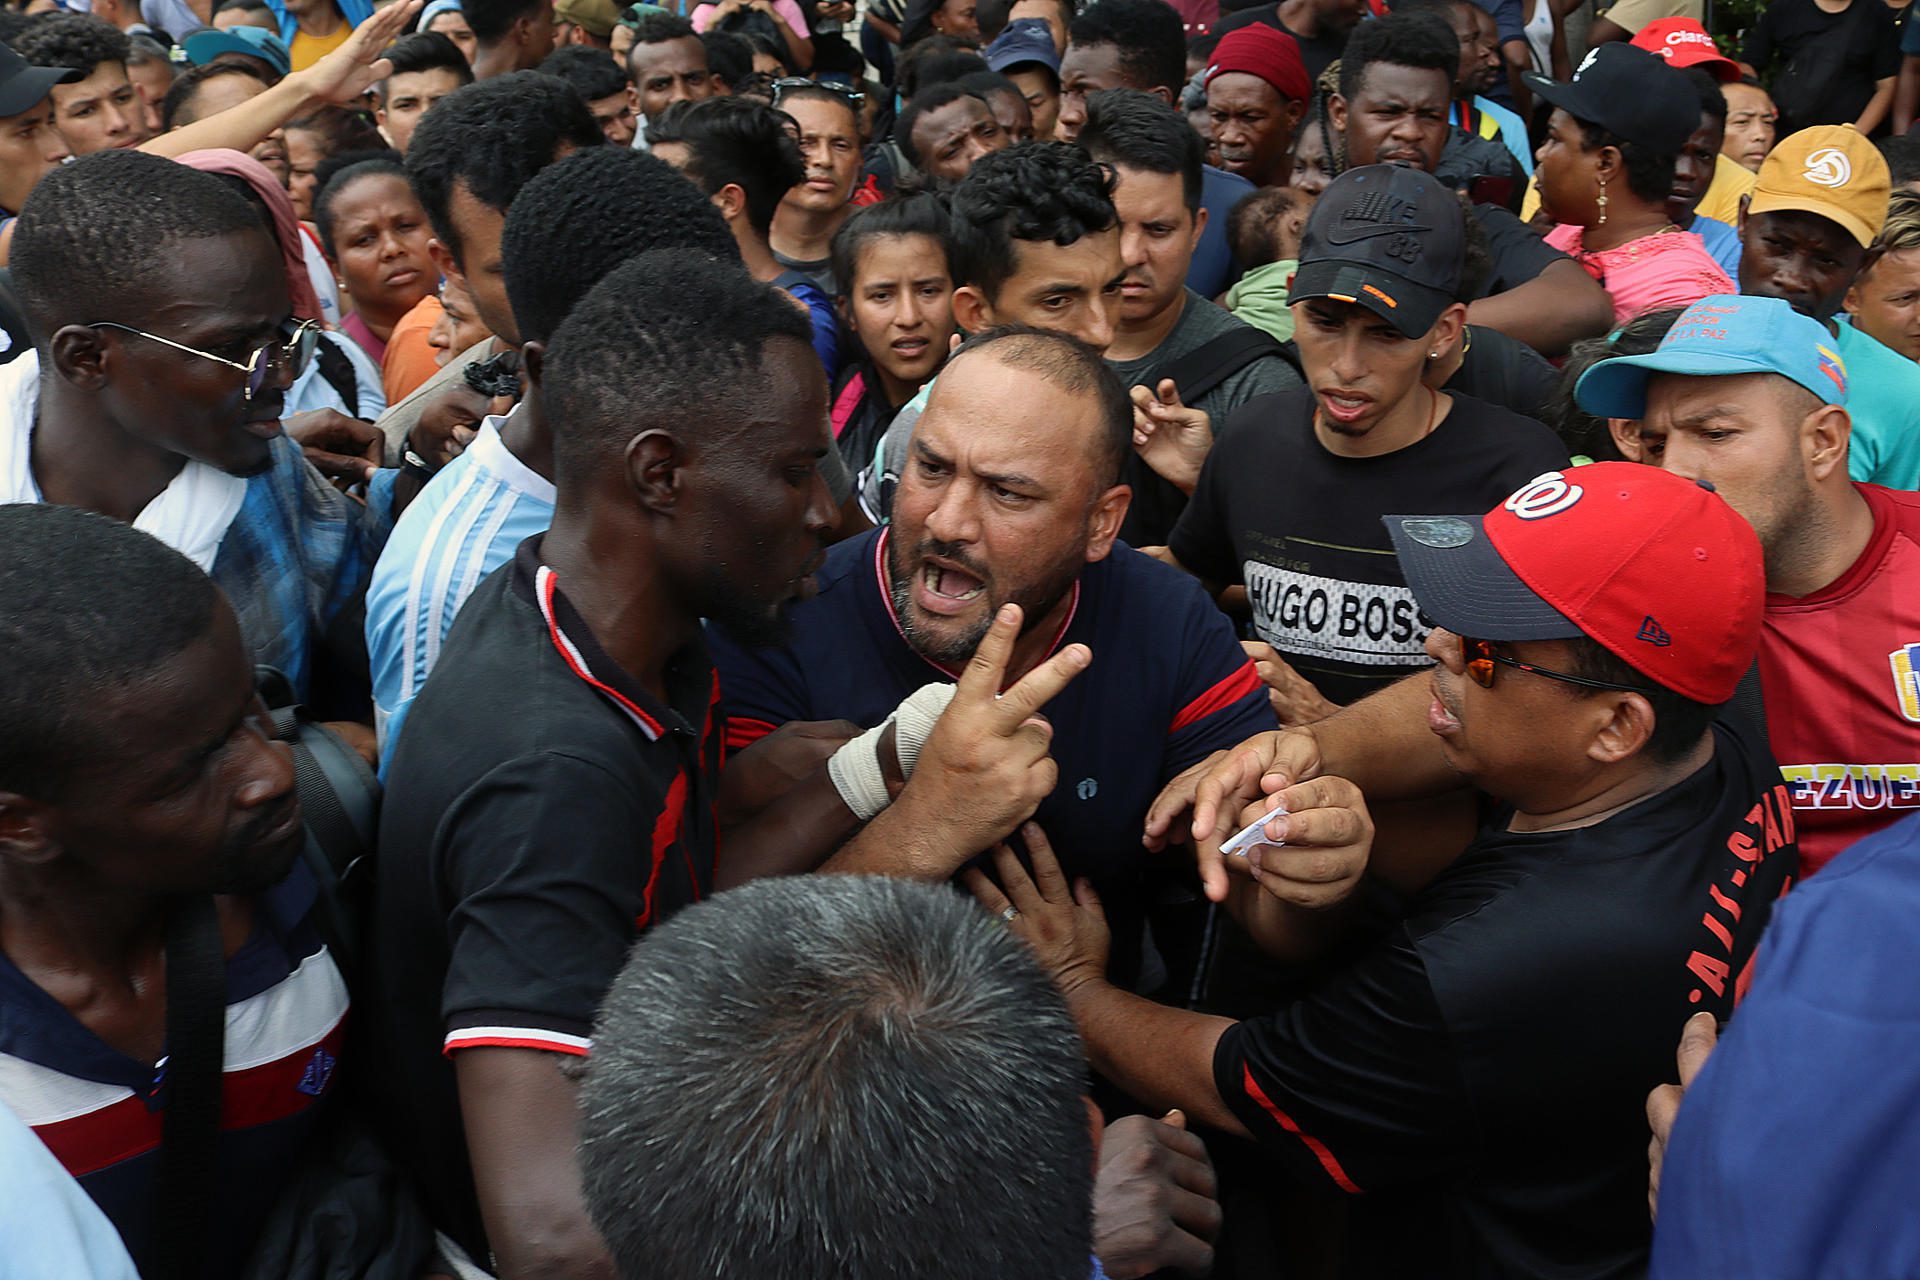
464 525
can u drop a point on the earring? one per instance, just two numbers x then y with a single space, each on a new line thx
1603 204
1434 354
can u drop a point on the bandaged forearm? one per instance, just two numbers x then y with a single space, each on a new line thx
856 768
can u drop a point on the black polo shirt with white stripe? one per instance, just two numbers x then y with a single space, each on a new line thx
542 810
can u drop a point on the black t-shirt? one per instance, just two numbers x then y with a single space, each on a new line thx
1300 527
1498 1045
1516 250
1316 51
542 810
1505 371
1828 61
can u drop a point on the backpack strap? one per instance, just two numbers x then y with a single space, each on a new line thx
848 402
1213 362
339 374
196 1056
339 799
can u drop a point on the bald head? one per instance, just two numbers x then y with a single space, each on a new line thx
1076 368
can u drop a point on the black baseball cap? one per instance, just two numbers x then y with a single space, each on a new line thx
1388 237
1628 92
23 85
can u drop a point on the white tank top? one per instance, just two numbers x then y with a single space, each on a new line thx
1539 33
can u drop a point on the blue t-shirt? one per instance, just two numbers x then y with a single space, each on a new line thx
50 1226
1212 269
1798 1146
1722 242
463 525
1169 685
1883 399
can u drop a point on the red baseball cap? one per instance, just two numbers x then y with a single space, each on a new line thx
1685 43
1656 569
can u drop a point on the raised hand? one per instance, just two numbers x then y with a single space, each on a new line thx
1697 1040
986 765
1170 437
1293 697
358 65
1065 926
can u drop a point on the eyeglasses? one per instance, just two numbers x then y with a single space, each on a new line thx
291 352
1479 658
788 84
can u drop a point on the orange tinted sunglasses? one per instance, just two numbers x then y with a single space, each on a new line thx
1480 659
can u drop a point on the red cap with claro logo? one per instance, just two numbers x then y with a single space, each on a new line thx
1656 569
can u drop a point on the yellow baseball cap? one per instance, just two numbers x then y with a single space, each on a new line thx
1829 170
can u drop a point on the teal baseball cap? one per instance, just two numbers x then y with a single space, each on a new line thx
1718 337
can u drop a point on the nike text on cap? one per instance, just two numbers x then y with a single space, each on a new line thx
1655 568
1629 93
1829 170
1389 238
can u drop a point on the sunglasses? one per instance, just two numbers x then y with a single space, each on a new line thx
788 84
1480 659
292 352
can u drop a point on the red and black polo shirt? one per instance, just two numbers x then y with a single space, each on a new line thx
541 811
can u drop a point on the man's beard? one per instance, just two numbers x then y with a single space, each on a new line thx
952 649
754 623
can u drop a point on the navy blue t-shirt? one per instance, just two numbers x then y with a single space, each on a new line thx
1169 685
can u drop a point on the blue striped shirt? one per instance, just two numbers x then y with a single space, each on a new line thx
464 525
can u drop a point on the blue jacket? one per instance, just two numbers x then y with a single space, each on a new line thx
354 11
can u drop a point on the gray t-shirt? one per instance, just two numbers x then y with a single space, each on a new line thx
1157 503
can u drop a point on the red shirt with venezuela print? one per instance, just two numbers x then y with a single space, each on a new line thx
1840 671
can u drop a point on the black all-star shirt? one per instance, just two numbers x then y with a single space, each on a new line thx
1499 1043
541 811
1300 527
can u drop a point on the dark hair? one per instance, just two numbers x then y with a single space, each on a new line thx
1580 431
1203 46
425 51
340 130
935 60
97 236
933 98
490 137
1076 368
658 28
1678 721
1713 101
1050 191
1317 117
729 56
1136 130
1476 254
771 45
591 71
1149 35
330 183
669 336
1902 154
492 19
615 203
1419 40
916 215
77 40
1649 173
118 606
186 87
13 22
736 142
1251 235
982 83
812 92
869 1048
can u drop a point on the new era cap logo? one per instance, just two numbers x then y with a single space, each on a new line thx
1829 167
1543 496
1653 633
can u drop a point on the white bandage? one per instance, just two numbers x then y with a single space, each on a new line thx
855 768
856 774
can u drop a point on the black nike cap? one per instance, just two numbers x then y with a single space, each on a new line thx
1390 238
23 85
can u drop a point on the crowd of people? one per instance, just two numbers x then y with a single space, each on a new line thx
794 639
